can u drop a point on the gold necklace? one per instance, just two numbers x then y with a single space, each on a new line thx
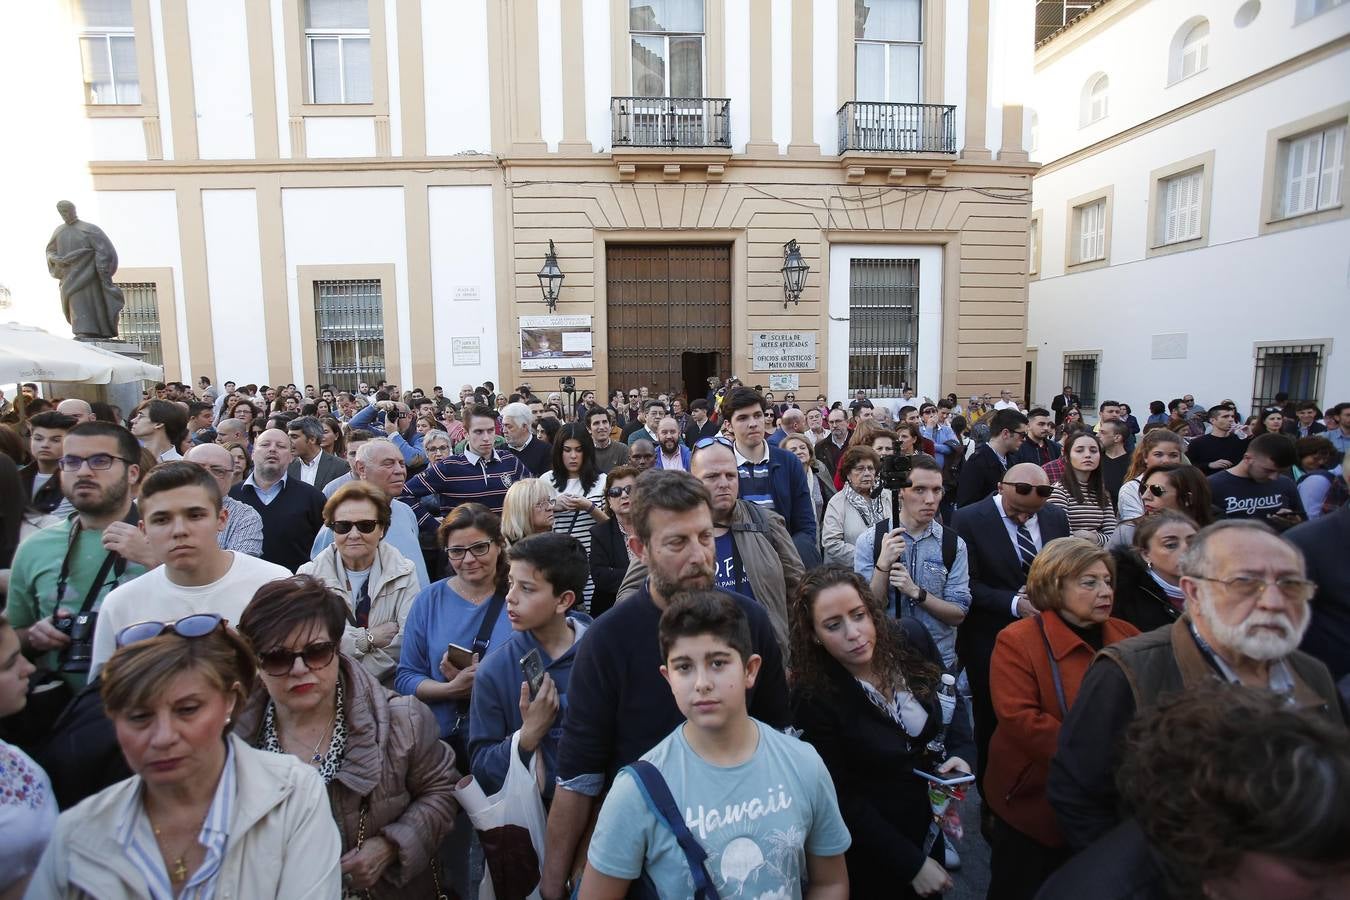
178 872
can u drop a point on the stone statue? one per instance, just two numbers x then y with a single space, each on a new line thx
82 257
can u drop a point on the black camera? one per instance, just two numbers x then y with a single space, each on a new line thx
894 477
80 629
567 383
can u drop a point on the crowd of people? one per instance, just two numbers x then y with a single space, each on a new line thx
256 640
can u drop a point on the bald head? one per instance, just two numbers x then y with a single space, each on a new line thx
231 431
1023 490
79 410
794 421
216 460
271 455
1028 473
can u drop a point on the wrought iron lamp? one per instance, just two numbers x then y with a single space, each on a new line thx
794 273
551 278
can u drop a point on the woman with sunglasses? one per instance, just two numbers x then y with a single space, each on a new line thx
204 814
854 509
1148 572
390 781
610 553
378 582
1157 447
28 813
1035 673
578 490
1169 487
527 509
1081 492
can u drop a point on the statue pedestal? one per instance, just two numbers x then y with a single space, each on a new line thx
124 396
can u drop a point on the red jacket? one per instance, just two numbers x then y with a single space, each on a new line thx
1023 692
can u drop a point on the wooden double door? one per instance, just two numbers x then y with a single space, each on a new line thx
669 308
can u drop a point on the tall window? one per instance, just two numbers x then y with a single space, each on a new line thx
1194 50
1090 231
888 43
1080 370
1294 369
108 47
667 47
138 323
883 325
350 329
1095 95
1311 168
1179 204
337 33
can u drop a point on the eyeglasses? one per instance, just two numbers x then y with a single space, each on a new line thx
1247 587
194 626
280 661
98 462
1019 434
1156 490
365 526
1022 488
479 550
619 491
705 443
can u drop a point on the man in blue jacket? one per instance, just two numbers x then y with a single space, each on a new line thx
771 477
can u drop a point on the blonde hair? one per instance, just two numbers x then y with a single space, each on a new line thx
1058 561
519 505
139 673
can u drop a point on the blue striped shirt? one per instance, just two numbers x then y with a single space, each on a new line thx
137 836
465 478
756 486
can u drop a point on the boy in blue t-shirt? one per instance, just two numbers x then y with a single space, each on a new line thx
548 575
759 802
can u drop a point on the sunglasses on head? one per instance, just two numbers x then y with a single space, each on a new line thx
705 443
194 626
365 526
1022 488
280 660
619 491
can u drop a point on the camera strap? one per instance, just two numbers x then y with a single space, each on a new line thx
112 562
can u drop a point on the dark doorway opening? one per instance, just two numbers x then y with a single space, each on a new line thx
696 369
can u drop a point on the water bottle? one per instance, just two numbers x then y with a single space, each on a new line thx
947 704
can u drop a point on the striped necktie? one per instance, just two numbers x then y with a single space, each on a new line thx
1026 547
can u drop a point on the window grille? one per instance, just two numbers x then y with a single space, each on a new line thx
1080 371
883 326
138 322
350 330
1294 369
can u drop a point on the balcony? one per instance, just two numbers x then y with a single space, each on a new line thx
897 127
685 122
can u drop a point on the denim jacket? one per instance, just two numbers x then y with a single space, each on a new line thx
923 559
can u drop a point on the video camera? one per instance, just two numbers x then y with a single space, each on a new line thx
894 477
567 384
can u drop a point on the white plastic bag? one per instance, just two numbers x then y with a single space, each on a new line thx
510 826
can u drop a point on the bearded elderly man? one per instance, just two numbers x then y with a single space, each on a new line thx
1247 609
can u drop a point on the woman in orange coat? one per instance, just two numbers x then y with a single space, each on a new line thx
1038 665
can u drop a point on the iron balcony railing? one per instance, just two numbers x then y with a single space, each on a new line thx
897 127
671 121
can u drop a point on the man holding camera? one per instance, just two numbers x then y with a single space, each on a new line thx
62 573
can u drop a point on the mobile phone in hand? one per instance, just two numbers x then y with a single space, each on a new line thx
532 665
460 657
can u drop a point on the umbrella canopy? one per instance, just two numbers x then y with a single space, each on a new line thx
31 354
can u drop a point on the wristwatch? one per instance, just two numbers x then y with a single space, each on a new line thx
364 643
923 596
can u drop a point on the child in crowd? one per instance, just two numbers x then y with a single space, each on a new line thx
548 575
759 802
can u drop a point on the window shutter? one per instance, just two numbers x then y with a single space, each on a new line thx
1301 179
1333 167
1172 211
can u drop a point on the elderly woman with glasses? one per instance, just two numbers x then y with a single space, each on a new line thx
436 446
378 582
204 814
390 781
853 510
527 509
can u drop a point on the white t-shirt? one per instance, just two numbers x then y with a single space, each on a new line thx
153 598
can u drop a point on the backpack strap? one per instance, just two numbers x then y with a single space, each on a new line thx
657 794
757 516
949 547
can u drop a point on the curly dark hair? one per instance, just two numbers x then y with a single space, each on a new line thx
898 664
1219 771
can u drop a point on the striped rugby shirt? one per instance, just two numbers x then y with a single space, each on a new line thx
463 478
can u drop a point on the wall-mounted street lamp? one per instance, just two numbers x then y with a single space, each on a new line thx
794 273
551 278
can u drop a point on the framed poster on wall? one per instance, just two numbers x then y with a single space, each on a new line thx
556 343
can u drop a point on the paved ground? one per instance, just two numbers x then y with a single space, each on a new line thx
972 880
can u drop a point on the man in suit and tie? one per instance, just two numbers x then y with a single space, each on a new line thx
1003 534
312 464
1062 404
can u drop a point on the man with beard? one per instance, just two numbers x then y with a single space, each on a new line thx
292 511
674 454
618 704
1247 597
98 468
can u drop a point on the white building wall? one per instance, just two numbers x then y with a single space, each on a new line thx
161 81
463 263
235 284
737 48
454 59
144 227
218 42
339 136
277 17
825 76
781 69
550 73
954 64
598 71
116 139
346 226
395 86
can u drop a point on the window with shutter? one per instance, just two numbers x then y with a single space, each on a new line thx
1312 171
1333 167
1180 206
1092 231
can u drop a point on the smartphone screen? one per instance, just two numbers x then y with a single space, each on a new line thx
949 780
532 665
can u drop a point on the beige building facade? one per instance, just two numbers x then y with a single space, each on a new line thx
343 190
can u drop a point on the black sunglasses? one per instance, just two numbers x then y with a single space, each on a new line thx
619 491
280 661
1156 490
365 526
194 626
1042 490
707 442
